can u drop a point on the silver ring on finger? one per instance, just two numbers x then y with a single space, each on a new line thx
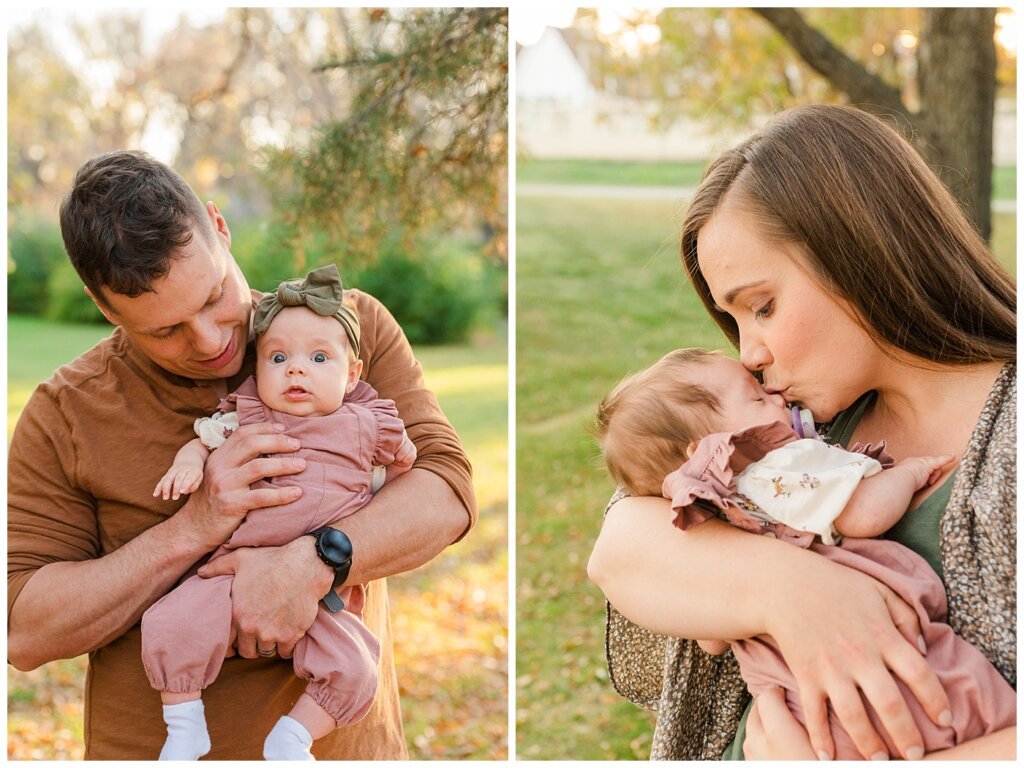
272 651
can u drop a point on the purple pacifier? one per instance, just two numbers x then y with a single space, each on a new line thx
794 415
802 421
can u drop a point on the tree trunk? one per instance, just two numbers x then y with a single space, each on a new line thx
957 78
957 84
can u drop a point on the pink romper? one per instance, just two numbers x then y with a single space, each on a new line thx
185 634
981 701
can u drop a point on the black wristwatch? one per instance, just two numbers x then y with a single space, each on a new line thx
335 549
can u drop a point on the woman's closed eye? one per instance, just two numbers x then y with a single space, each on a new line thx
765 310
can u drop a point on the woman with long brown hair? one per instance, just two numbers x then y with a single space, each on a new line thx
852 284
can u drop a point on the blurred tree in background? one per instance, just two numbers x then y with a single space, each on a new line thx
424 140
933 70
325 134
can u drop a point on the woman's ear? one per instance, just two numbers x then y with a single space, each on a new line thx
691 448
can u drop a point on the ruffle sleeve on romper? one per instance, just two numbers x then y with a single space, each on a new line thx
876 452
705 485
390 428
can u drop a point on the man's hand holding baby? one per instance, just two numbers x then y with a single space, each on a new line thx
221 501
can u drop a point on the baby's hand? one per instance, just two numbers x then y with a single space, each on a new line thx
180 478
406 453
925 470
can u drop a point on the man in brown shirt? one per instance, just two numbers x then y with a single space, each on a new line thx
90 548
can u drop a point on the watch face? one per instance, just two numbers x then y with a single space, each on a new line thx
336 546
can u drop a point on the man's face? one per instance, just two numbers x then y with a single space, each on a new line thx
195 321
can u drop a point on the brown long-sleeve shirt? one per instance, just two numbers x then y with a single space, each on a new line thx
88 450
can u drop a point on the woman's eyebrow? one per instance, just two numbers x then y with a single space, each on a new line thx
730 297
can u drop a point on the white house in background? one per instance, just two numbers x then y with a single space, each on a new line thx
549 72
560 114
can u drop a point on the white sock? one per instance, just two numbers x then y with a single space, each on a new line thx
187 737
288 740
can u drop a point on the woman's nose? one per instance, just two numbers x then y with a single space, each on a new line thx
754 356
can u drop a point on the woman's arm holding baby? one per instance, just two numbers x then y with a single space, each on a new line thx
1001 745
882 499
774 734
726 584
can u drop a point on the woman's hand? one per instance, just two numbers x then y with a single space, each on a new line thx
849 636
773 733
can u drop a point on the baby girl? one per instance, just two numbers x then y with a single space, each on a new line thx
697 428
307 379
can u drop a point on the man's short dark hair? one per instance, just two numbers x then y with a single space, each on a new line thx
124 220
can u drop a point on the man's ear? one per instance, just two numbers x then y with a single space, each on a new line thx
107 312
220 226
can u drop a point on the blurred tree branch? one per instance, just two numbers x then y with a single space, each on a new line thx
424 143
932 71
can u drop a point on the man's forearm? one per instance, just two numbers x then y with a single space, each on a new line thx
69 608
408 522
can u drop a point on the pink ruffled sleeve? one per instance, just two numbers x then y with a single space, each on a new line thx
876 452
705 482
246 392
704 477
390 429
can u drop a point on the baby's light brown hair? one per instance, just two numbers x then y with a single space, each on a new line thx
646 422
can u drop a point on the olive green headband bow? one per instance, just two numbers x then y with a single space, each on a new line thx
321 291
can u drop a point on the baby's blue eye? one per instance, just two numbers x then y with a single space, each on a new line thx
319 357
277 357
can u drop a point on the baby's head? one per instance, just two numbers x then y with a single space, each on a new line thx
652 421
307 346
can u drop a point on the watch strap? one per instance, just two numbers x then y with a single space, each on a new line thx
332 602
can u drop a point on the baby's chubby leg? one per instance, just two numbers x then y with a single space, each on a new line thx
184 639
293 735
187 734
338 655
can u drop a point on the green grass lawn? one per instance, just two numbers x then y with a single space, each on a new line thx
599 293
450 617
669 174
